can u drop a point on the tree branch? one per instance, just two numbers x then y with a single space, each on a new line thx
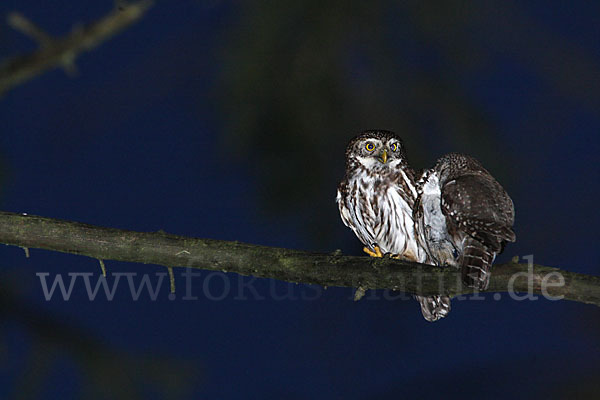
282 264
62 52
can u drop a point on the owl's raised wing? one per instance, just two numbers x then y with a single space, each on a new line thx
353 218
477 205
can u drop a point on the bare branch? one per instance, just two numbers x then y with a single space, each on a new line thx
282 264
62 52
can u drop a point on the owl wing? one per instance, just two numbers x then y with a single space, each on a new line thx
345 213
419 227
353 218
478 206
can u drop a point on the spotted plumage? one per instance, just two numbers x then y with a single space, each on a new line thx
376 199
463 217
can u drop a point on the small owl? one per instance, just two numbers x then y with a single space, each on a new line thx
463 217
376 200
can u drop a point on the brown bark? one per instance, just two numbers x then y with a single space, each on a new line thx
289 265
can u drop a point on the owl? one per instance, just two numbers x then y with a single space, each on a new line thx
463 217
376 200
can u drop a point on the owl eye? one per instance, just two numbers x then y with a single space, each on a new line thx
394 147
370 146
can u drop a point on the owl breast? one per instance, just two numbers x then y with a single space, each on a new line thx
380 214
394 232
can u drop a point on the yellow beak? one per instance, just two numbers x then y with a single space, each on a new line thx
384 156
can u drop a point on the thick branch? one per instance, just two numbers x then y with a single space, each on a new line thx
277 263
62 52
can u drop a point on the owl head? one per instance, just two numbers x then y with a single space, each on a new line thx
376 150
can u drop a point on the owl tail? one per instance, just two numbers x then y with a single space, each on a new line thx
434 307
476 261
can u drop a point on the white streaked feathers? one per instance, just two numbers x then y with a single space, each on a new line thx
380 216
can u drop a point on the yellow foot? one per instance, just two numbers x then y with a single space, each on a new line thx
376 253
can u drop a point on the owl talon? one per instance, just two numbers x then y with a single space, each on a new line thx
376 252
408 255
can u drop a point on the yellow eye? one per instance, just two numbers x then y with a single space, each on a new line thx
370 147
394 147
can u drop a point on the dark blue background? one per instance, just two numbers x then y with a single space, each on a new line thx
229 121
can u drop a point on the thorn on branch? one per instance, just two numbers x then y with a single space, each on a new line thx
171 279
102 267
69 66
360 293
26 249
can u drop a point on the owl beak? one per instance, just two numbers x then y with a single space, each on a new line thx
384 156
